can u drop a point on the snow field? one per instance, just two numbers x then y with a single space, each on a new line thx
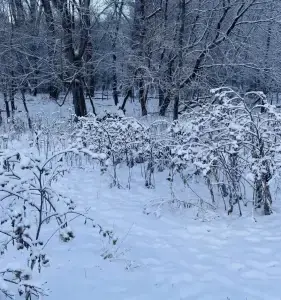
170 257
168 254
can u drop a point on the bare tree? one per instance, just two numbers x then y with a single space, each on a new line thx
51 38
69 11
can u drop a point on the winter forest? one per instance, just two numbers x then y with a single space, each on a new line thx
140 149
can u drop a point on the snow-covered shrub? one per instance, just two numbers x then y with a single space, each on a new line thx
125 141
120 138
29 203
206 145
231 142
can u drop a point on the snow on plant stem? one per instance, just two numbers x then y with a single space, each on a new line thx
28 203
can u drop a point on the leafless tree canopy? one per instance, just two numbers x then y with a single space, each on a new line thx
175 49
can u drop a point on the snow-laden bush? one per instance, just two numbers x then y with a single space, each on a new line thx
231 142
125 141
118 137
29 203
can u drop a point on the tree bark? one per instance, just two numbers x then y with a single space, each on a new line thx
142 97
165 105
75 56
161 96
26 109
180 64
90 76
7 105
139 46
79 98
119 11
54 90
129 94
12 91
114 81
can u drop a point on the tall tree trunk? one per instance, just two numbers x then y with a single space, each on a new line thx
268 44
142 97
26 108
7 105
90 76
161 93
165 105
128 94
180 64
161 96
139 46
12 100
73 54
12 91
79 98
33 28
176 105
167 99
119 11
51 34
114 81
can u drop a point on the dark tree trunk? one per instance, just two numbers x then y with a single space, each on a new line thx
268 199
129 94
161 92
142 97
7 106
180 44
165 105
176 106
53 87
54 91
139 34
75 55
12 92
167 98
34 91
90 76
26 109
114 57
33 28
79 98
161 96
12 100
114 82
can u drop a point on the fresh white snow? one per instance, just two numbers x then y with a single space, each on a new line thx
173 257
162 253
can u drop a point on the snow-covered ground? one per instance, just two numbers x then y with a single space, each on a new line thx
41 107
166 255
171 257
